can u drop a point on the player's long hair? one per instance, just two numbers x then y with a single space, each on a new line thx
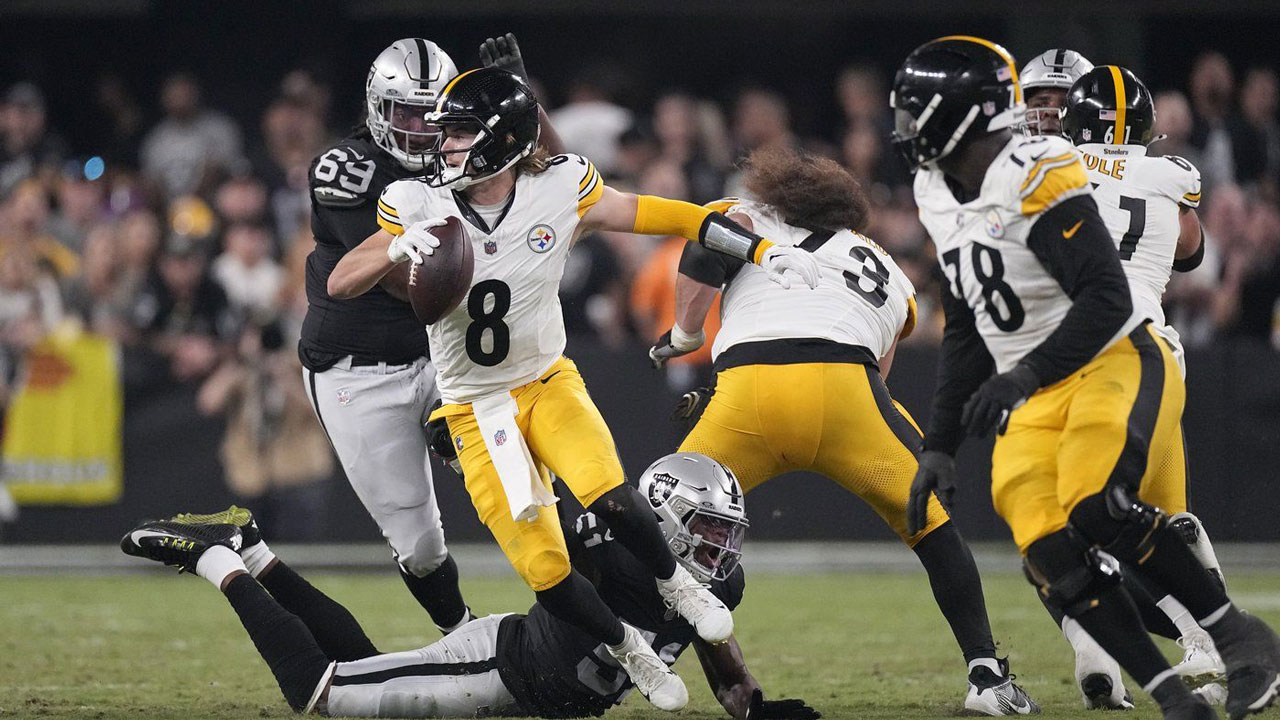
807 190
535 162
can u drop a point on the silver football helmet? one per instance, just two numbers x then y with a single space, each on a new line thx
402 88
1056 70
698 502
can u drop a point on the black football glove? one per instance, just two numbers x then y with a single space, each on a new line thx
937 475
439 441
503 52
691 403
762 709
1000 395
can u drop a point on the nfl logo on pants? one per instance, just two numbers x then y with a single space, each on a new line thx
500 437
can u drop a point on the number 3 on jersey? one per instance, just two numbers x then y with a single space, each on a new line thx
988 268
488 322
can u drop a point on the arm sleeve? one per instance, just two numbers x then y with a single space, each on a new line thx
1188 264
963 364
708 267
660 216
1088 269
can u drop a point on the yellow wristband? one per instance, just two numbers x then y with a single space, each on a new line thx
761 247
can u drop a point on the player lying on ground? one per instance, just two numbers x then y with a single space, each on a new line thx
799 380
509 664
1043 346
514 404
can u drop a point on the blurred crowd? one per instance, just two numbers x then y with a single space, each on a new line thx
184 232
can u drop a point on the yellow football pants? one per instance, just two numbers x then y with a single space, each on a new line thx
565 434
1116 420
836 419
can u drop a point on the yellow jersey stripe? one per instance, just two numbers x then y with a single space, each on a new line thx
1041 165
1060 183
912 313
590 188
1004 55
722 205
761 247
586 177
1121 103
390 226
1193 197
592 196
384 207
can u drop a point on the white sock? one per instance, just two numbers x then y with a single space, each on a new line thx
257 558
466 618
1075 634
989 663
1179 614
627 640
216 563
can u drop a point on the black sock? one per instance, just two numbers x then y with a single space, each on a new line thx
575 601
1145 594
334 628
439 593
957 589
282 639
1115 624
1172 566
633 523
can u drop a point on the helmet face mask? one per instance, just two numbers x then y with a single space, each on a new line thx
403 84
698 502
1045 107
1045 82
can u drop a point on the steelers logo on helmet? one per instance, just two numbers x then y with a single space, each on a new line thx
541 238
489 120
951 90
1110 105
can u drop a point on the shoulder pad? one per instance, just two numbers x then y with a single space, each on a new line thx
343 175
1048 172
1186 184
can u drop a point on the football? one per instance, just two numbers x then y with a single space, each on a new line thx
438 284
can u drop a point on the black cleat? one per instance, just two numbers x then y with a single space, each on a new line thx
238 516
1097 689
177 544
1252 658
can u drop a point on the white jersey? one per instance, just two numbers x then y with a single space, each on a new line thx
1138 197
862 299
509 329
982 244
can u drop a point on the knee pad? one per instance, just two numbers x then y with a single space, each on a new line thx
1118 522
543 568
1187 526
424 557
1069 573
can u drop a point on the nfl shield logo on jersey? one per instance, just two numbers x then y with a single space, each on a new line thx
490 247
541 238
500 438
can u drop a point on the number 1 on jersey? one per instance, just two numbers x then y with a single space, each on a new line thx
1137 209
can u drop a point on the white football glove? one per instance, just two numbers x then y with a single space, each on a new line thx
674 343
781 259
416 242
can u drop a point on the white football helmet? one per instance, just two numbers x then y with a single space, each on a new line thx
698 502
402 88
1056 69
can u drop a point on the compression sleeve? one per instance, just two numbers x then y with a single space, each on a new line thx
1187 264
660 216
963 364
1072 243
708 267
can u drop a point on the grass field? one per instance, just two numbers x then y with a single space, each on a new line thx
862 645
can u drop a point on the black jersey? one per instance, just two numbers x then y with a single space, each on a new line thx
345 183
555 670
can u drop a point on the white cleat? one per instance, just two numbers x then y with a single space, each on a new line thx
1214 693
696 604
656 682
1097 673
1200 664
997 695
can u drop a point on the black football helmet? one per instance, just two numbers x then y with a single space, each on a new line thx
949 90
500 109
1109 105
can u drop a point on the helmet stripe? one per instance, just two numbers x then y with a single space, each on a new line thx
1060 60
445 92
1004 55
424 64
1118 137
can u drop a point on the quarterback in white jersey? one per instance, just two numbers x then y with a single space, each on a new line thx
515 407
799 379
1042 345
1148 203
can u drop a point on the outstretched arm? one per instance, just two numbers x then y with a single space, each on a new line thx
736 689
